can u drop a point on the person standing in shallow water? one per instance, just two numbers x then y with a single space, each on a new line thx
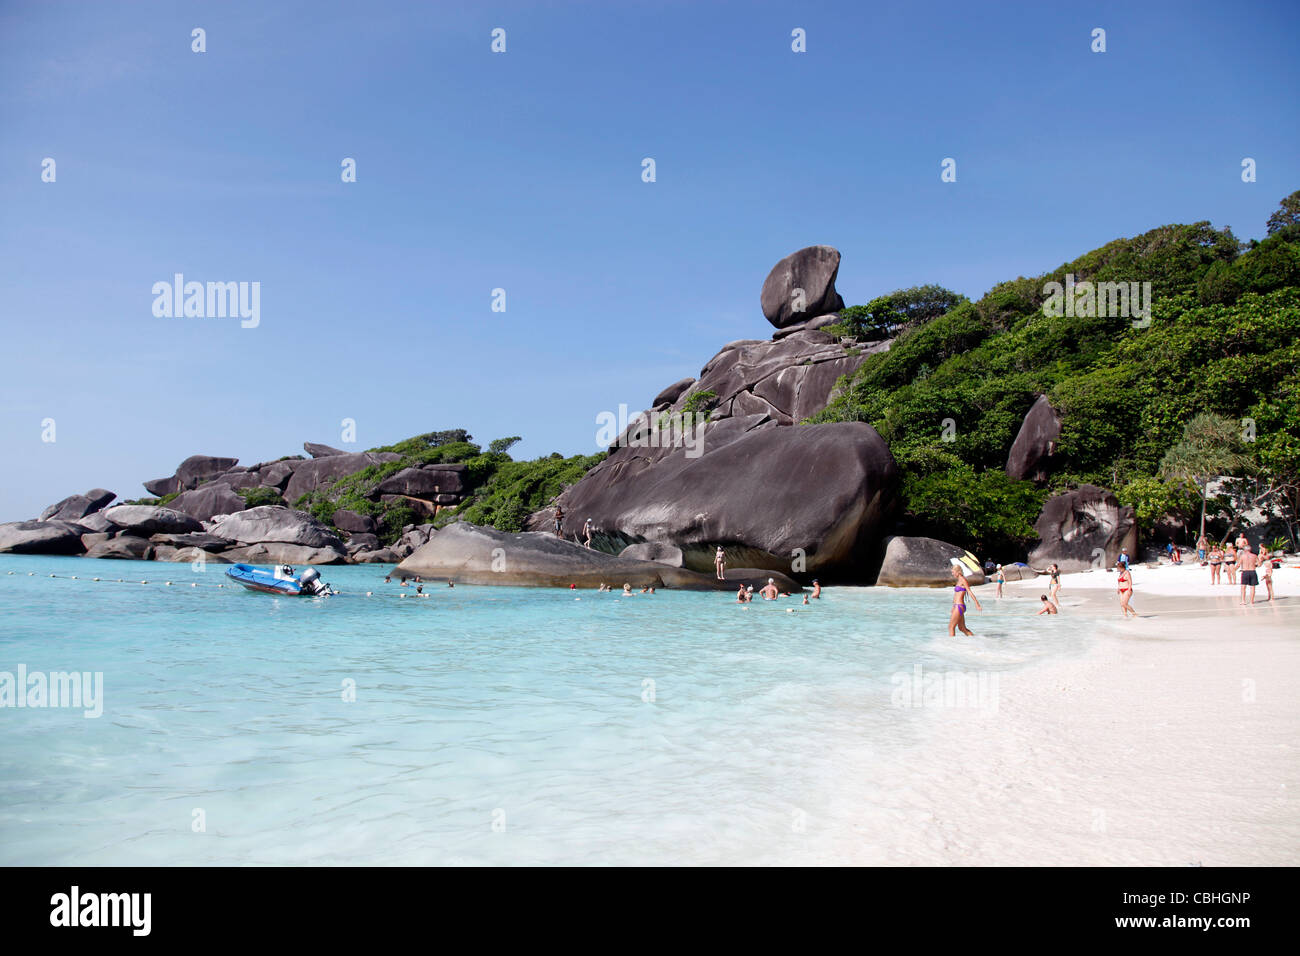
720 563
961 588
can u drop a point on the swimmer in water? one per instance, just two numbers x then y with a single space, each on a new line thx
740 594
1048 607
768 590
817 589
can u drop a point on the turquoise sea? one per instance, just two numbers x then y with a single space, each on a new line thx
489 725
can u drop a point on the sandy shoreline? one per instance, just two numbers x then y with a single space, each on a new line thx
1173 740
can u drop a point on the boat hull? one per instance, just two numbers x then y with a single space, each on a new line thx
263 581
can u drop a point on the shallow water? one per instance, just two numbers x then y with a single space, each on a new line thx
489 726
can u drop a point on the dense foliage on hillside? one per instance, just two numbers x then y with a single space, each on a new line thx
1223 337
500 491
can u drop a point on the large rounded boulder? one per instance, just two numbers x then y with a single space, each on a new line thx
811 499
144 520
275 524
208 501
925 563
1035 445
1084 528
801 286
41 537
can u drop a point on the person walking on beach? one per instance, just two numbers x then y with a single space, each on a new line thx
1202 547
1054 586
1123 559
720 564
1048 607
1126 592
961 588
1001 580
1249 579
1216 564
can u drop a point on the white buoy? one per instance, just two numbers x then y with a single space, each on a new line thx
94 579
51 575
74 577
369 593
168 583
144 582
193 585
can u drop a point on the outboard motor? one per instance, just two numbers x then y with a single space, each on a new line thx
311 582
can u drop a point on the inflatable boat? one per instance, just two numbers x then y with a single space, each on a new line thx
281 581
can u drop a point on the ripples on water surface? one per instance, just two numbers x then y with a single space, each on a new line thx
515 707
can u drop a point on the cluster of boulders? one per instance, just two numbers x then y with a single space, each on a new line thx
812 500
206 518
785 502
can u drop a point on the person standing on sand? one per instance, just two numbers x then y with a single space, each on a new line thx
720 564
961 588
1249 579
1230 562
1202 547
1054 587
1001 580
1216 564
1126 592
1268 563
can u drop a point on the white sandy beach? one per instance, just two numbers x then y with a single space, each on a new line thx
1175 740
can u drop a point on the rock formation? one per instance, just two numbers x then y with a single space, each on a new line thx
468 554
1082 529
1035 445
802 285
925 563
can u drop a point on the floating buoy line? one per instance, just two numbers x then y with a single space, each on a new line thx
196 584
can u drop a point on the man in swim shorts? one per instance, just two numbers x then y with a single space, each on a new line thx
1249 578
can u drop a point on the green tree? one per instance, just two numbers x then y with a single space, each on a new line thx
499 446
1209 448
1287 214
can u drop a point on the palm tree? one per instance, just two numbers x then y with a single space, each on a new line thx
1207 450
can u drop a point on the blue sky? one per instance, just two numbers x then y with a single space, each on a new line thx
522 171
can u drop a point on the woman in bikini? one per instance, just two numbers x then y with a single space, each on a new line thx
1001 580
1230 562
1216 564
1126 591
961 588
1054 588
1267 563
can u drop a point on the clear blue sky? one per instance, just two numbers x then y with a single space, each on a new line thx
522 171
